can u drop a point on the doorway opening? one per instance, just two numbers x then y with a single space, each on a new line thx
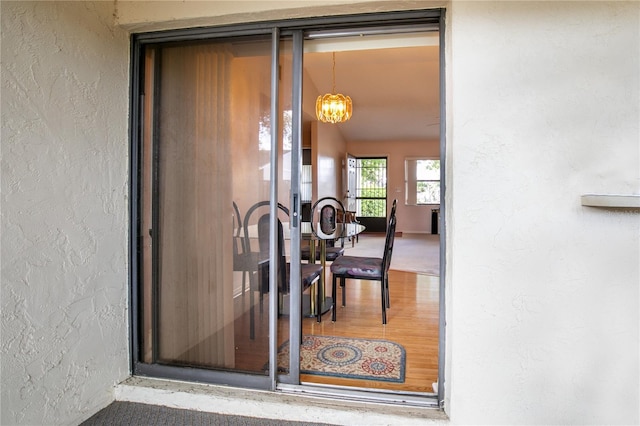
371 193
215 135
395 92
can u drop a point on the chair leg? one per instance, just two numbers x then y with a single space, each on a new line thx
344 293
301 317
252 315
333 298
318 302
261 277
386 286
383 298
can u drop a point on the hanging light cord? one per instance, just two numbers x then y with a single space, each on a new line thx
333 73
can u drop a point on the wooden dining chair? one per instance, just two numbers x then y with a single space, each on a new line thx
366 268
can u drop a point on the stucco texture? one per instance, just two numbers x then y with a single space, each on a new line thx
543 293
64 210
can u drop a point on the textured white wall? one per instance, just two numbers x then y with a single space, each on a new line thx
543 294
139 16
64 210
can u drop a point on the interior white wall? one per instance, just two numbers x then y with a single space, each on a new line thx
328 150
64 210
542 293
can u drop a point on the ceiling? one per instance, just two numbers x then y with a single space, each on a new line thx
394 90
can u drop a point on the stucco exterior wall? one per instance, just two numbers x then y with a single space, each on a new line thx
543 293
149 15
64 210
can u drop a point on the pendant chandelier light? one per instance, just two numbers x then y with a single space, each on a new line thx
333 107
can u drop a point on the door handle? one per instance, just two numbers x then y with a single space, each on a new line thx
294 211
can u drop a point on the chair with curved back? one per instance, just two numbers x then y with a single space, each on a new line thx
326 213
310 273
366 268
243 259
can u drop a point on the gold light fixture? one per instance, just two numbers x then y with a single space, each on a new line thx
333 107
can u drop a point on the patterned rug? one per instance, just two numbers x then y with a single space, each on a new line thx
350 358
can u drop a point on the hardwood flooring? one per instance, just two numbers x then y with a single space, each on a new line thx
412 322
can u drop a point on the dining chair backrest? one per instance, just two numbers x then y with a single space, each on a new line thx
237 220
261 210
328 219
249 219
388 244
237 231
264 225
330 211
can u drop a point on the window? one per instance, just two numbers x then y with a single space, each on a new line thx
422 181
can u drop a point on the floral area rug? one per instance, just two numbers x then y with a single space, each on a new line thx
350 358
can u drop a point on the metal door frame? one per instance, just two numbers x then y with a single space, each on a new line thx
297 28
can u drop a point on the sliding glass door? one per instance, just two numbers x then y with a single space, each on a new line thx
217 124
216 160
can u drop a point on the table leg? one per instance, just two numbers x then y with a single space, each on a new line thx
321 289
314 308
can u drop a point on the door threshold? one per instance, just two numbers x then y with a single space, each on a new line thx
282 404
348 393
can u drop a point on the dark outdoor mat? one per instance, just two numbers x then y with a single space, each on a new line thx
131 413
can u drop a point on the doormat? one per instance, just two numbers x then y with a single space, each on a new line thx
349 358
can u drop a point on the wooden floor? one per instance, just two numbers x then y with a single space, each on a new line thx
412 322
